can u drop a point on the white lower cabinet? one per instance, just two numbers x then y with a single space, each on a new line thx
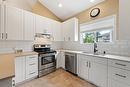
31 66
83 69
98 74
19 69
26 67
114 83
60 58
94 71
118 73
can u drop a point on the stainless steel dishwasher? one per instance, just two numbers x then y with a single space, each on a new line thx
71 62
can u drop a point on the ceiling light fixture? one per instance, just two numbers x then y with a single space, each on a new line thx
60 5
92 1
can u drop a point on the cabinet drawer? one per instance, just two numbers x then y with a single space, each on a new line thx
99 60
31 74
114 83
119 64
119 75
32 59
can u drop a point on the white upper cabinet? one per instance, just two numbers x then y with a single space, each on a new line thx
43 25
56 31
29 25
124 16
1 22
14 23
70 30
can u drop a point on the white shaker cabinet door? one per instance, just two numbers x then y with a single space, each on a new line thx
14 23
29 26
62 60
43 25
19 69
1 22
98 74
56 28
83 68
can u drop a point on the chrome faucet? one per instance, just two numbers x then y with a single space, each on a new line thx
95 48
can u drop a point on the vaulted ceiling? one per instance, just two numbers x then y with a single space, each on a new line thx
67 8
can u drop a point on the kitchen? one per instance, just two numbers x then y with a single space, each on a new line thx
86 45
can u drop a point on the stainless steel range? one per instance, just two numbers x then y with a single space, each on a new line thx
47 61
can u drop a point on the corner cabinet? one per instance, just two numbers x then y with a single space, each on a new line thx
93 69
70 30
60 59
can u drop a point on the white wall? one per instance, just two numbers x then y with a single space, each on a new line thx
124 19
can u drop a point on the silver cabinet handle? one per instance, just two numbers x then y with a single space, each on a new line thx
2 35
32 73
120 75
89 64
120 64
6 36
32 64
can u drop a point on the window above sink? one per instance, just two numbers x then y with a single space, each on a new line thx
101 30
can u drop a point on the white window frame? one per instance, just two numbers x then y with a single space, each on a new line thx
98 25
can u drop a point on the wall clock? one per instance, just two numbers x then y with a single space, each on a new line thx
95 12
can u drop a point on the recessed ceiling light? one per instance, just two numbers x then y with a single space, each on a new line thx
91 0
60 5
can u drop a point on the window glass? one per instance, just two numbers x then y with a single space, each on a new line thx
88 37
104 36
96 36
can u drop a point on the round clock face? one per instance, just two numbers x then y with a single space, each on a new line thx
95 12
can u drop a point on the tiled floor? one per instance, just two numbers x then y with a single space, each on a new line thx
59 78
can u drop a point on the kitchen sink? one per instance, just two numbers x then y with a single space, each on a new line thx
96 54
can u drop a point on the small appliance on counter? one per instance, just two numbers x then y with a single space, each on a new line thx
46 59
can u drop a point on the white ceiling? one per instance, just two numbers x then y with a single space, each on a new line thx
70 7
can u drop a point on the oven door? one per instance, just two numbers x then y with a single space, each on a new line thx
46 61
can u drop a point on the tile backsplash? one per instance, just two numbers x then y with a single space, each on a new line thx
116 48
9 46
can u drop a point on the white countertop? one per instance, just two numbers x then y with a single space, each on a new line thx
108 56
